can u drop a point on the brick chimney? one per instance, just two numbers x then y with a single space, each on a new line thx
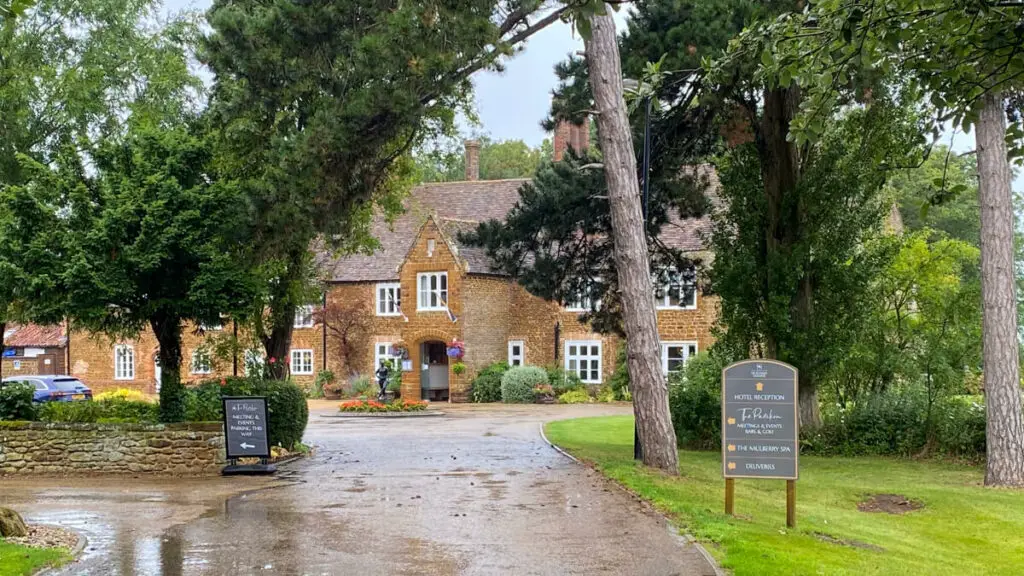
569 135
472 159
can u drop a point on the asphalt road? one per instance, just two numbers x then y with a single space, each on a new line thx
476 491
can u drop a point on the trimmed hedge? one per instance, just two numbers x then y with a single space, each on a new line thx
108 411
16 401
518 383
287 411
486 387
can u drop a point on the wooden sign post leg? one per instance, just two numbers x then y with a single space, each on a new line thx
791 503
730 494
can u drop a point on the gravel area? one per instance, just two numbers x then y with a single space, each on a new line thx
47 537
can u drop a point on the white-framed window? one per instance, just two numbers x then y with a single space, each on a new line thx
583 302
389 299
201 362
432 288
211 327
302 362
675 291
516 353
124 362
304 316
675 355
583 357
382 352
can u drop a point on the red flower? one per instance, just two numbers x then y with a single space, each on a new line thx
223 381
273 360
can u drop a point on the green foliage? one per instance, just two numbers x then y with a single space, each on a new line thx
577 396
16 401
695 401
486 387
360 385
562 380
518 383
923 324
900 423
325 380
803 299
287 411
458 368
100 411
619 380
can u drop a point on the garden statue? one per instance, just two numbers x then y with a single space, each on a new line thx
382 380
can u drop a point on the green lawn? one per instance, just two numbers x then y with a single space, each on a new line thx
17 560
962 529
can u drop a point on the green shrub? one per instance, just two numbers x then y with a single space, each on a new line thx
619 380
360 385
578 396
562 381
518 382
605 394
324 381
287 412
695 401
486 387
16 401
959 425
394 384
100 411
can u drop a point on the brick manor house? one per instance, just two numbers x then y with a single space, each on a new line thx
423 289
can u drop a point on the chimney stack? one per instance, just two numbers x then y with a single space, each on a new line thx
568 135
472 159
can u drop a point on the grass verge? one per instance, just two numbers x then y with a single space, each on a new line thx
963 528
18 560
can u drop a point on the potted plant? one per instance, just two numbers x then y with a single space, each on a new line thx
456 350
544 394
458 368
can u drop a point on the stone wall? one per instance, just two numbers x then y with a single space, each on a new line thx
57 449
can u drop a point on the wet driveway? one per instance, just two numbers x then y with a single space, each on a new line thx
476 491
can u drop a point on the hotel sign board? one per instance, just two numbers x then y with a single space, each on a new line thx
760 431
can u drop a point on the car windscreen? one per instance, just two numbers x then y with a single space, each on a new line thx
67 384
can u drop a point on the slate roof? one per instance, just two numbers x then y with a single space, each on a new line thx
458 207
34 335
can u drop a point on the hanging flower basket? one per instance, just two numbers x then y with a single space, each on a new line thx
456 350
399 350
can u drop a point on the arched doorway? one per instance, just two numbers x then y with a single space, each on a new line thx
434 370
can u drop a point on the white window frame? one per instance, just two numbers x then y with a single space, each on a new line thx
392 295
296 362
665 302
571 362
304 316
386 355
423 292
685 345
212 327
584 303
194 367
521 357
124 371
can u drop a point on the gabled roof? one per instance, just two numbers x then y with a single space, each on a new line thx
35 335
459 207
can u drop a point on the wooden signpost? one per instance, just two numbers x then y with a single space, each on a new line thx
760 428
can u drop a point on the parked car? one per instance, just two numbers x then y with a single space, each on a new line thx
53 388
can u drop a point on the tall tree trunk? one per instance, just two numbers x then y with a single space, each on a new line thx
650 391
780 171
167 329
3 328
1005 431
278 340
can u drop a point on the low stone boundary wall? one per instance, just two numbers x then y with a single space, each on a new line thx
60 449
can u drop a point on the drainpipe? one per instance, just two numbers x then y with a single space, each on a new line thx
558 334
234 354
323 316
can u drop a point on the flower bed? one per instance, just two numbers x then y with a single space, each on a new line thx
400 405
